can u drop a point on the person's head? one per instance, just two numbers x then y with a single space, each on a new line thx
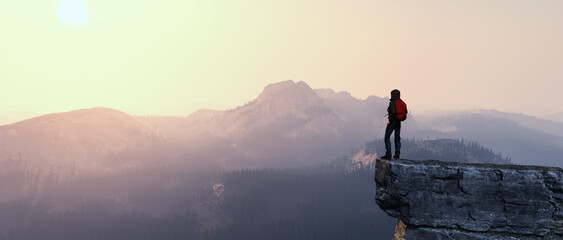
395 94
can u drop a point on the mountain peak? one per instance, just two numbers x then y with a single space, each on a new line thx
99 117
329 94
71 115
87 134
288 91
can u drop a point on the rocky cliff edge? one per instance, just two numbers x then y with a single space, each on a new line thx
446 200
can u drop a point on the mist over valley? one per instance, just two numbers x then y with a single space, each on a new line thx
272 167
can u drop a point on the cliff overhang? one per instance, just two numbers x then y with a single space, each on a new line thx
447 200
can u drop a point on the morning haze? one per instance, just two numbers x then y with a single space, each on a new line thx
253 119
174 57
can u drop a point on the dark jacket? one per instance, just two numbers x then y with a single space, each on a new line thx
391 110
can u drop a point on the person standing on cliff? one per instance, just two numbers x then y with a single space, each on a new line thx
397 112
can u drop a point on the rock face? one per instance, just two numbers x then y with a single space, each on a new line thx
446 200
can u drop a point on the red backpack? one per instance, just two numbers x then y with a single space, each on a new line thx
400 110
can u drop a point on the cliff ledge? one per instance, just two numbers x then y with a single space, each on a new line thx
446 200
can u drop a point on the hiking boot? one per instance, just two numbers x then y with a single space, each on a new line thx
386 157
396 157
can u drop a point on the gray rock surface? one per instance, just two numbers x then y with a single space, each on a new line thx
446 200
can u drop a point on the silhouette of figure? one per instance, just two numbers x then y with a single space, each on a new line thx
397 112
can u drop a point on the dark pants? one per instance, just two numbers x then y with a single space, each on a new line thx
394 125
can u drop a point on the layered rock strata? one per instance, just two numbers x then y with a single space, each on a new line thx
446 200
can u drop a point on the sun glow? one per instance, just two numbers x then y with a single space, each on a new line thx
72 13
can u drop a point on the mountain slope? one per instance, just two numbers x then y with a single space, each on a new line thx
514 135
556 117
288 124
297 103
81 137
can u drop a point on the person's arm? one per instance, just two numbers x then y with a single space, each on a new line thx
391 110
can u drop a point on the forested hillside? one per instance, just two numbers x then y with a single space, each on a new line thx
441 149
332 201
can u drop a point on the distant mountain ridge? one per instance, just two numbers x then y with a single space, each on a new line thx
289 124
123 168
556 117
526 139
295 101
81 137
288 120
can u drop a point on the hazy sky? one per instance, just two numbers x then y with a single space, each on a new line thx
172 57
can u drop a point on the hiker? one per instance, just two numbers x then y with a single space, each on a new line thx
397 112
